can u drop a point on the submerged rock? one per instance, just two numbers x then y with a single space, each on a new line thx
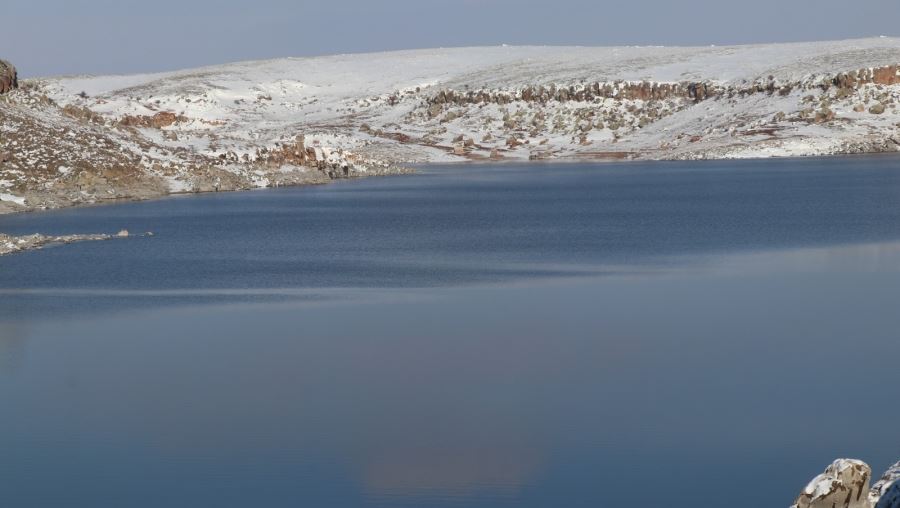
886 491
844 483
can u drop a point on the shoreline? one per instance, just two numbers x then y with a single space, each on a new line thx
414 168
77 140
34 241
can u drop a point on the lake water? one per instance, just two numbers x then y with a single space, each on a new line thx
642 334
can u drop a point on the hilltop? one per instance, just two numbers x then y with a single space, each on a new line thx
307 120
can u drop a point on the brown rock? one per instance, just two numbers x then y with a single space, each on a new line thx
889 75
844 483
157 121
9 79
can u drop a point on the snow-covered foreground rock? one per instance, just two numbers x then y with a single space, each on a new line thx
886 491
845 484
308 120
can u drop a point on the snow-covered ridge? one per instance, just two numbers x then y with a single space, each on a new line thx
577 101
238 125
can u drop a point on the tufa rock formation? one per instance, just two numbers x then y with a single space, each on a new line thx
8 77
845 483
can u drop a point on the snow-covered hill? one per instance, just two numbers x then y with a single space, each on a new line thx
494 102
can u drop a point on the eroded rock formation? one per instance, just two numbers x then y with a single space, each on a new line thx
651 90
845 483
8 77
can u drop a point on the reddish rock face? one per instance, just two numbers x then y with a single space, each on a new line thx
886 75
157 121
163 119
8 77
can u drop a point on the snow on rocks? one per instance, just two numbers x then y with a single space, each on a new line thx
13 244
886 491
845 483
294 121
12 199
526 102
53 156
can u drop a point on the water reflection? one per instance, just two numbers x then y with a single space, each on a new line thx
498 395
450 473
12 345
568 359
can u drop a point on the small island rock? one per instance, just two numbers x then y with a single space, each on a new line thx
844 483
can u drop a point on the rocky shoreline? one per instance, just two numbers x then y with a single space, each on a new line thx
83 140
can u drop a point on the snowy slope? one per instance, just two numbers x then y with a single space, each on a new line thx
302 120
369 102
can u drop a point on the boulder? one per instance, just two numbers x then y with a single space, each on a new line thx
889 75
8 77
886 491
843 484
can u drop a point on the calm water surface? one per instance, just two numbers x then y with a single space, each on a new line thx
667 334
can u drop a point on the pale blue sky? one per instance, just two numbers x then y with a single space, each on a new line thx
48 37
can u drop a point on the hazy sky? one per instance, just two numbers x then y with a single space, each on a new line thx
47 37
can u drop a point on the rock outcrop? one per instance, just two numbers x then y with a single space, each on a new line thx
13 244
8 77
157 121
844 484
652 90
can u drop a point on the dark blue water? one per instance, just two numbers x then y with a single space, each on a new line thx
668 334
